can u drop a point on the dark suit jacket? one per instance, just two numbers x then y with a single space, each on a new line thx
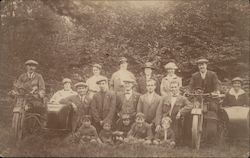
142 85
211 82
121 107
149 108
182 104
103 110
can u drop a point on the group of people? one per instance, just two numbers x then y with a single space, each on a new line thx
126 109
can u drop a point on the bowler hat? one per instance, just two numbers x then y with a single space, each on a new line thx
31 62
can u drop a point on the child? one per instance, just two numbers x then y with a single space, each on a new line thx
87 132
106 134
140 131
122 128
165 134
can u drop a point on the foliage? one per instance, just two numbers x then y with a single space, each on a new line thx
59 33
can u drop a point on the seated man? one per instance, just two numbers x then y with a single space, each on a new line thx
140 131
64 93
173 106
33 83
236 96
80 103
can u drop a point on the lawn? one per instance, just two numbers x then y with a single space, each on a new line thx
52 146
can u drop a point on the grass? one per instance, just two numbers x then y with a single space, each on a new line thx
43 146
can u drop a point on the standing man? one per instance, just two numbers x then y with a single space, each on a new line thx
148 74
34 84
65 92
116 82
175 106
80 103
128 100
91 82
149 102
103 105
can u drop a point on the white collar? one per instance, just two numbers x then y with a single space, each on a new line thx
232 92
203 72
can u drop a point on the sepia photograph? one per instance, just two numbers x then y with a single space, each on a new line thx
124 78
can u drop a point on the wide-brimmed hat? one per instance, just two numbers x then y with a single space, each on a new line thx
66 80
31 62
101 78
97 66
149 65
170 65
237 79
81 84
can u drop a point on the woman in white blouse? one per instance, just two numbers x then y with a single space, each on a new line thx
171 76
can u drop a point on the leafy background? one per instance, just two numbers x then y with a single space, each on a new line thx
64 32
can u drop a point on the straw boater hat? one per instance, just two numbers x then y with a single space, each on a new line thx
81 84
31 62
170 65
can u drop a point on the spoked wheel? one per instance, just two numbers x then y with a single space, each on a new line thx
17 125
196 131
32 123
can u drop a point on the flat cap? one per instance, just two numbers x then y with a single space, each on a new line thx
129 79
170 65
31 62
97 66
123 60
166 119
202 60
66 80
140 115
81 84
86 117
237 79
148 65
101 78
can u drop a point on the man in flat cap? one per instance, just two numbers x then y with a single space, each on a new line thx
80 103
128 99
33 83
103 105
148 74
65 92
116 81
91 82
205 80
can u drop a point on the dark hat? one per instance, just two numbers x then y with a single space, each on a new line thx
66 80
86 117
140 115
237 79
97 66
123 60
148 65
201 60
31 62
81 84
101 78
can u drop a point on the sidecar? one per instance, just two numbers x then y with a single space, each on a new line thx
59 117
238 122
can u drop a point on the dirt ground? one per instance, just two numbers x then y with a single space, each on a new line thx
41 146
